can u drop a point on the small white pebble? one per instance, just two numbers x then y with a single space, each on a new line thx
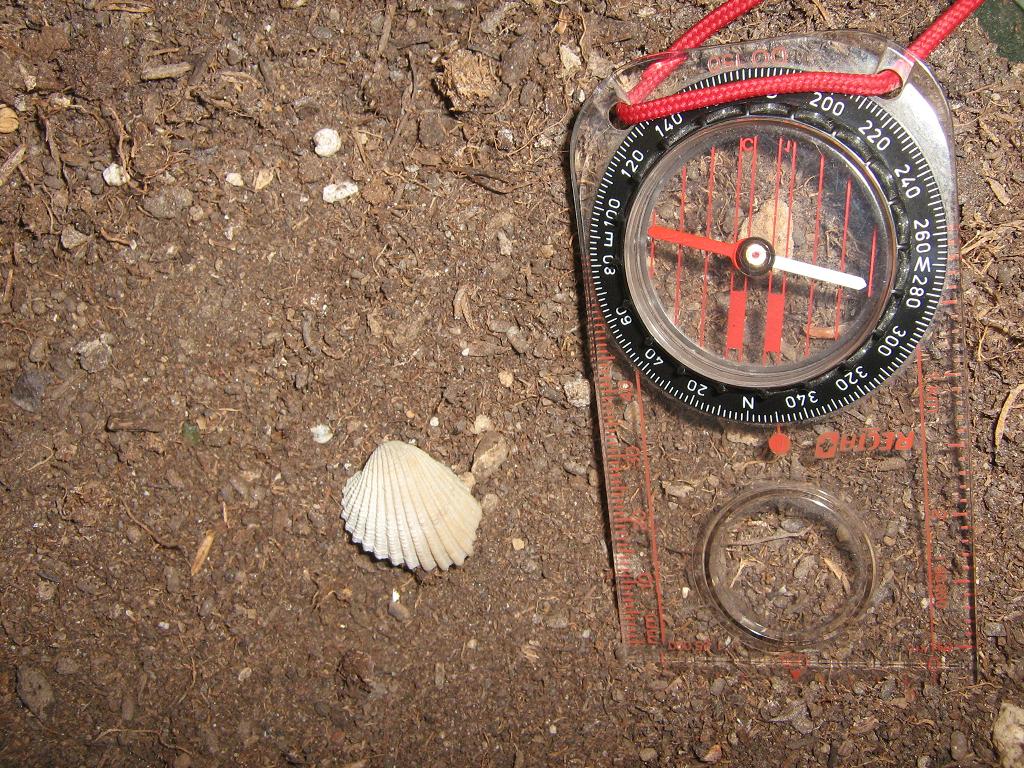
327 142
114 175
322 433
435 422
518 545
235 179
164 625
336 193
481 424
244 674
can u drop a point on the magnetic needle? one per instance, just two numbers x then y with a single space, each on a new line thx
771 260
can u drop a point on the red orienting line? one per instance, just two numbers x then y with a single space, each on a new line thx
679 251
803 82
775 311
707 256
842 255
739 186
814 256
792 185
775 197
778 186
736 322
874 249
772 312
754 181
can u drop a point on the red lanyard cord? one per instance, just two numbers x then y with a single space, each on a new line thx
802 82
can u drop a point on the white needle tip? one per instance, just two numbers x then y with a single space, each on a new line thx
814 272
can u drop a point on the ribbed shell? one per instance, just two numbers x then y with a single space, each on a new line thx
410 509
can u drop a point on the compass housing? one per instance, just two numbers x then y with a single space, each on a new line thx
877 175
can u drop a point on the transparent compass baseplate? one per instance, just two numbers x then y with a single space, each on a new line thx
772 294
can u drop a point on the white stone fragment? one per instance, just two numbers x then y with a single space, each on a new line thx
321 433
114 175
336 193
326 142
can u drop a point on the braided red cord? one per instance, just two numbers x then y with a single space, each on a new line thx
722 16
803 82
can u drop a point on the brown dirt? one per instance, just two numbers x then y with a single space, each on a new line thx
171 342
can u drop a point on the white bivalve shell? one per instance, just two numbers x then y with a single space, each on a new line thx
410 509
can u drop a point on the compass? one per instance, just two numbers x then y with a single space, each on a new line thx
775 260
772 260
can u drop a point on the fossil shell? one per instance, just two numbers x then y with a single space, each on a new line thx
408 508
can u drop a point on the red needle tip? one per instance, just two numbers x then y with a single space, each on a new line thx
689 240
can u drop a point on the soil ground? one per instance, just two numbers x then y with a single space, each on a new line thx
166 346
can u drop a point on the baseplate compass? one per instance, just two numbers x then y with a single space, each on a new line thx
777 270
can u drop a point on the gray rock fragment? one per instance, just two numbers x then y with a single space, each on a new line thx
34 690
27 392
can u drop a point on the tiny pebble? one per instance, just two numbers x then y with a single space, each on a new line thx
1008 734
71 238
398 611
114 175
235 179
336 193
28 389
482 424
491 453
577 392
34 690
505 378
958 747
327 142
322 433
647 754
518 545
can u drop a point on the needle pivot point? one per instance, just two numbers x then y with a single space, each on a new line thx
755 256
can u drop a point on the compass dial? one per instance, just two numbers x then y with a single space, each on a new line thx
770 261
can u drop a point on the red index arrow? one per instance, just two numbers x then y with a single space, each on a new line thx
689 240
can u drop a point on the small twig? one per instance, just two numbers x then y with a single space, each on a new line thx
202 552
389 20
192 663
773 537
8 286
166 71
838 573
153 535
478 176
114 238
111 114
308 337
742 567
125 6
159 737
13 161
1004 413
